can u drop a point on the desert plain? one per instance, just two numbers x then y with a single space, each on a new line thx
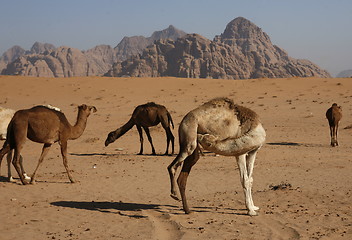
302 185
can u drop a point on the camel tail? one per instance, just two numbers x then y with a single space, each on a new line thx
170 120
9 136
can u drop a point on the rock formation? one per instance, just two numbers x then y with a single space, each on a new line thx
130 46
345 74
16 51
242 51
44 60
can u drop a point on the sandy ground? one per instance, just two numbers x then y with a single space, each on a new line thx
302 185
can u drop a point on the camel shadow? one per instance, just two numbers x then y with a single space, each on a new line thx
220 210
296 144
120 208
119 154
125 209
284 144
4 179
95 154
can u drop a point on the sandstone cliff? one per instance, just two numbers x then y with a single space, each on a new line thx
242 51
130 46
44 60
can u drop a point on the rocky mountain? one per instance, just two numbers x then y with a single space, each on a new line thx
242 51
41 47
345 74
10 55
44 60
63 62
130 46
16 51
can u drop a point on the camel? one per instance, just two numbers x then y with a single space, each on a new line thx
145 116
334 115
6 115
46 125
225 128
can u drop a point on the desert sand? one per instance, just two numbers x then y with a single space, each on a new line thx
302 185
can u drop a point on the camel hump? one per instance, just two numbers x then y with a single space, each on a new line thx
243 114
150 104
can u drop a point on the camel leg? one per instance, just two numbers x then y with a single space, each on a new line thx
9 174
64 157
250 165
182 178
5 149
22 169
241 162
335 133
172 168
169 137
332 135
150 139
45 151
17 164
139 128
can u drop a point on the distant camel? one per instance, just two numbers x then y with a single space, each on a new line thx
222 127
42 124
6 115
145 116
334 115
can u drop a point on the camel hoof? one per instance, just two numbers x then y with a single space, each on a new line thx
255 208
174 196
25 183
188 211
252 213
27 177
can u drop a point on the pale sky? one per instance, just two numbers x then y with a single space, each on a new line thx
317 30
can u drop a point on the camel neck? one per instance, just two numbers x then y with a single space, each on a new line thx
78 129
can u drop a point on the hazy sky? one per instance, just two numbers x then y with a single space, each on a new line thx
317 30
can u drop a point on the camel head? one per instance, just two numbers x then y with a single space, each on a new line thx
112 136
86 109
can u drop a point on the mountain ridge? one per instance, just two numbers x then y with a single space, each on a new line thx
242 51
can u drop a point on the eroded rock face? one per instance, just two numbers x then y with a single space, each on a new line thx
61 62
44 60
242 51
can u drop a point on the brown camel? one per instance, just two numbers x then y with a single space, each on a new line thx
145 116
6 115
222 127
42 124
334 115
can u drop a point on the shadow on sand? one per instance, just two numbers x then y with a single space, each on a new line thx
125 209
120 208
118 154
297 144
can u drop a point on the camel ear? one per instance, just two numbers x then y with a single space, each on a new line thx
94 109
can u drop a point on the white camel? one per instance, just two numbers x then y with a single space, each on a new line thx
224 128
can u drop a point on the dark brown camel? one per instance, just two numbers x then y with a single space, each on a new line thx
145 116
334 115
43 125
